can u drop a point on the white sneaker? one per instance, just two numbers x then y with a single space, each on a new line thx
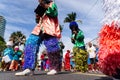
46 70
23 73
52 72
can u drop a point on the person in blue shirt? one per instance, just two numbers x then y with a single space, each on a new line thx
15 61
7 52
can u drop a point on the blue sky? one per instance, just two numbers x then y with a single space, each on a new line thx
20 17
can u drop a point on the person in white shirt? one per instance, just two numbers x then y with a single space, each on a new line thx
92 55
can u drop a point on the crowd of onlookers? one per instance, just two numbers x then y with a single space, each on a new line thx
12 59
68 61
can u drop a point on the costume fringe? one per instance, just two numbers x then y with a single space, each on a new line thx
109 51
80 57
30 52
52 44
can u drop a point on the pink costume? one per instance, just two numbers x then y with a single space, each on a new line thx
48 25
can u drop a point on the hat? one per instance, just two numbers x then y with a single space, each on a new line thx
73 25
9 43
47 1
68 51
16 48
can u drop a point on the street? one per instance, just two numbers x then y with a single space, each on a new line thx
40 75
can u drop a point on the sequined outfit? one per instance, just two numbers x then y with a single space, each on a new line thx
80 54
48 32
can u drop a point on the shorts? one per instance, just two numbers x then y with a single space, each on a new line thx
93 60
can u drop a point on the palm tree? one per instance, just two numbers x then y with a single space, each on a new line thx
1 39
2 44
18 38
71 17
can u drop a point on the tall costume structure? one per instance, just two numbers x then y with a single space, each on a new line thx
48 31
80 54
109 39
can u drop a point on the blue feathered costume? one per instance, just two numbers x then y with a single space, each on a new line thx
50 39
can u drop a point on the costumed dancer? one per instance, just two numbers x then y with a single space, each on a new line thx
48 31
67 61
109 39
80 54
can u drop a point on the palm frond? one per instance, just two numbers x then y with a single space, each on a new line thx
79 21
70 17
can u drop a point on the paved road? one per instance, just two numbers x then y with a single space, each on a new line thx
39 75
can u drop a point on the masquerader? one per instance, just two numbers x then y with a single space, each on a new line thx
80 54
46 30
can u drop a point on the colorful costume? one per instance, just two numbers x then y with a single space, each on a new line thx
109 39
80 54
67 61
50 34
48 31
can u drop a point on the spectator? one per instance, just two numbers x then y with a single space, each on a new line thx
92 56
7 56
15 61
62 46
72 62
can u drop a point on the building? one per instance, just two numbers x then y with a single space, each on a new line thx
2 26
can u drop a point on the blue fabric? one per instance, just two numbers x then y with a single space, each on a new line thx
82 47
73 24
17 55
88 61
52 44
72 63
10 56
7 51
32 48
30 52
97 53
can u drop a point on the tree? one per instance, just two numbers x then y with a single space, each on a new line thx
71 17
1 39
18 38
2 44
